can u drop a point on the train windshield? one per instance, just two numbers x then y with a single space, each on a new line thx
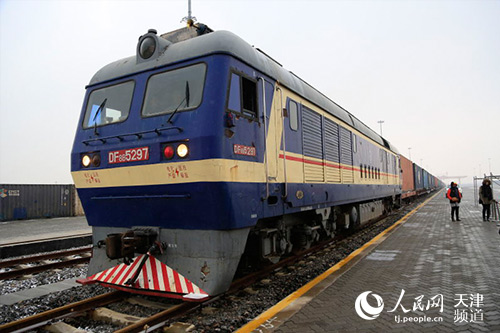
109 105
175 90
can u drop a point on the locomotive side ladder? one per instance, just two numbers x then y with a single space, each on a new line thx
264 119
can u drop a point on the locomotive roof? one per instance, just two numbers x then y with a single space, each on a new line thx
225 42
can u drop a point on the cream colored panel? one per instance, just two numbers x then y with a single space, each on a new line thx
212 170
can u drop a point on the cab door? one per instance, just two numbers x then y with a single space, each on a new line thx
272 119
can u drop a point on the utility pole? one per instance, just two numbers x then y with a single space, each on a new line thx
409 153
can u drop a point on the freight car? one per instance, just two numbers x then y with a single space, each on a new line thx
415 180
200 152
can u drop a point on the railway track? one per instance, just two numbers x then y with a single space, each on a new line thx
165 317
18 266
161 318
46 317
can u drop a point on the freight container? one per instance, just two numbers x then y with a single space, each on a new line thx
18 202
432 182
408 187
425 177
417 176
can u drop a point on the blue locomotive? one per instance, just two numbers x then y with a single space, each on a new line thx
201 152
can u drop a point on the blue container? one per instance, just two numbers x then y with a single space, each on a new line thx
425 177
418 177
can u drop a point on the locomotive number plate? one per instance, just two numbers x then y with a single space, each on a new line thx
244 150
128 155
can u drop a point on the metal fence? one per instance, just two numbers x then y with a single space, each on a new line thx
495 179
495 210
22 201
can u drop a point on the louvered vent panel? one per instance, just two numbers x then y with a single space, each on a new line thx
346 155
312 145
332 154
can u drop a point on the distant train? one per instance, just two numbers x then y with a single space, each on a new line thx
201 153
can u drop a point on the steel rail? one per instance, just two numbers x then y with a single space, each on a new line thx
44 318
159 319
42 268
38 257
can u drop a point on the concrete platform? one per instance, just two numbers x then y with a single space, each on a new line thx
30 236
428 274
13 298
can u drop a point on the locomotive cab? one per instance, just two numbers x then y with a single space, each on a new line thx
148 163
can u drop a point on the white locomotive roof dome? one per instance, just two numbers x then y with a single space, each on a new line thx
186 45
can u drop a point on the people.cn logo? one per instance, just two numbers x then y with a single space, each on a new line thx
365 310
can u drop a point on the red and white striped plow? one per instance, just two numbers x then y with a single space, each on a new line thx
155 278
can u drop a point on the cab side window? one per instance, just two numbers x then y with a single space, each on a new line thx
242 97
294 115
249 94
234 103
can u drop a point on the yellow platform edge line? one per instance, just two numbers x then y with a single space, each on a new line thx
271 312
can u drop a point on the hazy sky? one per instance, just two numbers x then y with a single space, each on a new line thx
429 69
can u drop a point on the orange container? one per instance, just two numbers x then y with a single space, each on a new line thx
408 187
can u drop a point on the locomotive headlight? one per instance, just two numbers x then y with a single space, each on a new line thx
86 161
150 46
182 150
147 47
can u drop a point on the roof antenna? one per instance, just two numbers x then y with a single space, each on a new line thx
189 19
